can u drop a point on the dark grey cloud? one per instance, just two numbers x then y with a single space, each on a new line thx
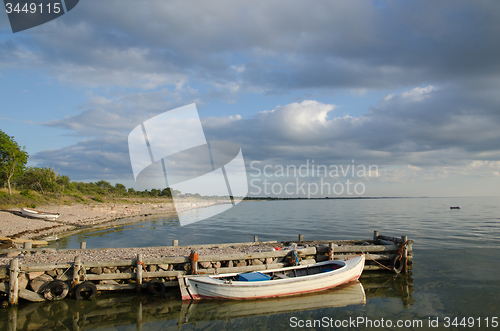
281 45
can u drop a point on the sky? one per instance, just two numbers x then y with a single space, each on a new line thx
409 88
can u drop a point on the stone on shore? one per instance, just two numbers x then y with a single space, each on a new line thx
38 284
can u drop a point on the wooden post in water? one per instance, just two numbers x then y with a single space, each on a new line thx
375 235
255 239
76 270
14 282
194 257
139 273
28 245
330 251
175 242
83 245
301 237
76 318
139 317
12 319
404 239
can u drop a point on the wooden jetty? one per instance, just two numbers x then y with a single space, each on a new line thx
80 278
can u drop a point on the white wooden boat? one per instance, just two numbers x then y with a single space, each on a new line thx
274 282
39 214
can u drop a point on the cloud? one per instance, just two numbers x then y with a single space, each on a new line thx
413 137
436 65
275 47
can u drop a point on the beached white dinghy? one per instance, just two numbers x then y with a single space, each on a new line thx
39 214
272 283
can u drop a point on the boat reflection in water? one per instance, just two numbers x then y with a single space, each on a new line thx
342 296
122 310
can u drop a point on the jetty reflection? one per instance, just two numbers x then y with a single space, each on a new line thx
125 310
385 285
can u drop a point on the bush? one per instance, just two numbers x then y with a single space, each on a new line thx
98 199
28 194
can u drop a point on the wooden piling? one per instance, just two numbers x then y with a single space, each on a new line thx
139 273
28 245
14 282
301 237
175 242
331 251
375 235
194 258
404 240
12 319
83 245
76 318
139 317
76 270
255 239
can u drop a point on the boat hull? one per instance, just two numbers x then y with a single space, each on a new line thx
210 287
39 214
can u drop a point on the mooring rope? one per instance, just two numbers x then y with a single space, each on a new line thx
368 255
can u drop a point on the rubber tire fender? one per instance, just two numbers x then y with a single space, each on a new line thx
397 264
156 286
56 290
85 287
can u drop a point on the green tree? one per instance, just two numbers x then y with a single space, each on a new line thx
13 159
43 180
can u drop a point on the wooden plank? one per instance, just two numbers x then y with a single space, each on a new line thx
20 241
184 292
44 266
133 275
256 255
359 249
109 263
115 287
377 257
126 263
272 242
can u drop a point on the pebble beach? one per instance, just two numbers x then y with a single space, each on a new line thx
79 216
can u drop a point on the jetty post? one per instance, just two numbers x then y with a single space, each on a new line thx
404 243
76 270
194 257
331 251
14 282
139 273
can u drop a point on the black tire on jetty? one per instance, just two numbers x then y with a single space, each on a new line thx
156 286
85 290
56 290
397 264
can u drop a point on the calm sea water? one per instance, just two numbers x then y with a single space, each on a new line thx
456 272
